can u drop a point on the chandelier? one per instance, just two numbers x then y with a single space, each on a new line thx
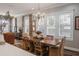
7 16
39 15
4 20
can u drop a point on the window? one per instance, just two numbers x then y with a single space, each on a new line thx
66 24
51 25
6 28
26 24
60 25
41 25
57 25
13 25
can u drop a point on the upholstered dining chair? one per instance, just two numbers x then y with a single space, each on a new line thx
25 34
50 37
26 43
9 37
61 47
39 48
57 50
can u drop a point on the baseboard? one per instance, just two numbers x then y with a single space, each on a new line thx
71 48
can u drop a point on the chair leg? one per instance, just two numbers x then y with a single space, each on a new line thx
41 54
35 51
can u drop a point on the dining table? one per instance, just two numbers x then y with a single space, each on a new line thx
52 45
47 43
51 42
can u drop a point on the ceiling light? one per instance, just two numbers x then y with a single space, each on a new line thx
33 8
39 15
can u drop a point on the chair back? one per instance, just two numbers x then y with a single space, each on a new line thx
26 42
61 47
37 43
25 34
50 37
57 50
9 37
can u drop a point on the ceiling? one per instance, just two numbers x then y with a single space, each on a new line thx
20 8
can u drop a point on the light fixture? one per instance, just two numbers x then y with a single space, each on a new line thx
33 8
4 20
39 15
7 16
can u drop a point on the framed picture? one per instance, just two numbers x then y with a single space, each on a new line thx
77 23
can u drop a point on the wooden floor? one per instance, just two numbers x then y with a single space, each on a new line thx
66 52
70 53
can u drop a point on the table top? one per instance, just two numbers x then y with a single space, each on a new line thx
55 41
50 42
10 50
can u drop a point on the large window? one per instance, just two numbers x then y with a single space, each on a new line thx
13 25
41 25
51 25
7 27
57 25
26 24
66 24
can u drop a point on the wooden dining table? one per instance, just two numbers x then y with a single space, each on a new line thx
47 42
52 45
50 42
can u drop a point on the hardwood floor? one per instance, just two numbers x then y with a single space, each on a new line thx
70 53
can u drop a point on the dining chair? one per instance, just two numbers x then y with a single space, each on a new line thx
50 37
57 50
61 47
25 43
9 37
28 44
25 34
39 48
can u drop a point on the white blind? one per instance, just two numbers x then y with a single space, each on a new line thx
58 25
13 25
26 24
41 25
51 25
6 28
66 26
